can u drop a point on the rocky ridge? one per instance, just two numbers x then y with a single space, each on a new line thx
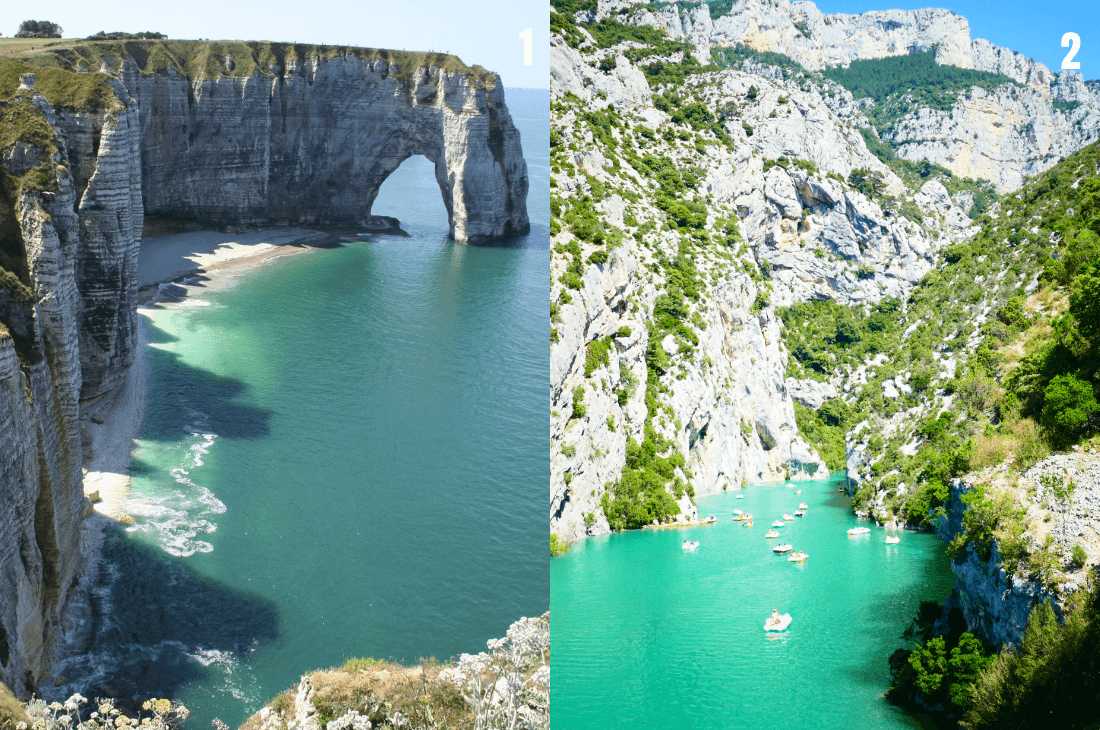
1003 137
727 406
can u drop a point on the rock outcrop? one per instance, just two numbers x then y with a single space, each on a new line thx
1002 136
508 686
307 139
995 604
725 403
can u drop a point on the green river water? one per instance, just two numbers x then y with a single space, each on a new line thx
646 635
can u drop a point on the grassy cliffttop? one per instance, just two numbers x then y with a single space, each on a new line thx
61 87
209 58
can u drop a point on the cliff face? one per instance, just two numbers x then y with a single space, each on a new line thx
310 141
1005 135
1001 137
995 603
69 335
724 401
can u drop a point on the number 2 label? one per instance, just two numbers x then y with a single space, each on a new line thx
1068 64
526 36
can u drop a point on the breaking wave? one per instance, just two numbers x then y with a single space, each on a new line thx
176 517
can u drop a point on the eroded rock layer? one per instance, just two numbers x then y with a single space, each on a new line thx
309 138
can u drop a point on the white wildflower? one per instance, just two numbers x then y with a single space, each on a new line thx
509 687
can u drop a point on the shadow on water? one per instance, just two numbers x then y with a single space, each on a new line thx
184 388
935 581
156 620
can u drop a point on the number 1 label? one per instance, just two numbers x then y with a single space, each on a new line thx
1068 64
526 36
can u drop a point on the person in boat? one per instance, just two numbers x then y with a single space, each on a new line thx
774 617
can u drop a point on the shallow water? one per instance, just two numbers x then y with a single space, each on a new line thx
343 454
646 635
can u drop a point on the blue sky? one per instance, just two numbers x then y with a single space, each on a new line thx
485 32
1033 29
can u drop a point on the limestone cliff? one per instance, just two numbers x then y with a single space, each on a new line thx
109 132
775 193
1003 137
995 600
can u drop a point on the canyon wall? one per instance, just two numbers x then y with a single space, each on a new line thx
725 402
1004 136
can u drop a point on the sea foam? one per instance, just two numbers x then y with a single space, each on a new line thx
174 517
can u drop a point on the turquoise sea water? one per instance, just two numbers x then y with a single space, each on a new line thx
343 454
646 635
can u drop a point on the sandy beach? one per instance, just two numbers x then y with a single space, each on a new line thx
110 425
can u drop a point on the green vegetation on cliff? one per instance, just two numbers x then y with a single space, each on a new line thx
62 88
28 145
735 56
1052 679
915 174
717 8
941 669
917 74
822 335
688 242
1022 380
22 124
193 59
900 85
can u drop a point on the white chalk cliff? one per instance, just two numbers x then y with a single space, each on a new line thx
308 139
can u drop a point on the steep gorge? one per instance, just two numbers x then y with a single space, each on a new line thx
896 306
770 216
93 138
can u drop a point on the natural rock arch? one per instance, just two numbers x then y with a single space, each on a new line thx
418 177
311 142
